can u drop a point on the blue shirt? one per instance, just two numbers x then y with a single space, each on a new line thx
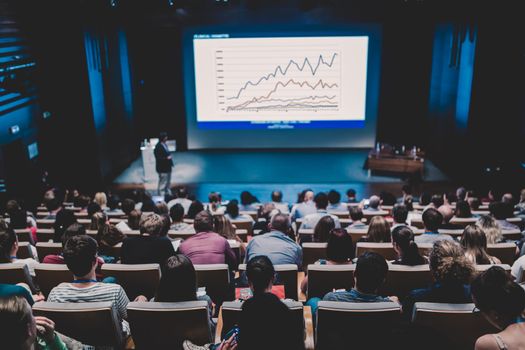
303 209
311 220
354 296
278 247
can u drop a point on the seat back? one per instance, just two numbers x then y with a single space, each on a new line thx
340 324
402 279
513 235
45 223
463 222
243 225
287 276
357 233
506 252
45 234
94 324
24 250
482 268
167 325
48 276
325 278
386 250
231 315
242 234
216 279
139 279
457 323
24 235
48 248
313 252
180 234
13 273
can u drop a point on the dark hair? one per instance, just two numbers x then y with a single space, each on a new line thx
52 204
15 318
178 281
93 208
407 189
321 200
409 203
260 273
162 136
356 213
370 272
214 197
451 197
437 200
81 201
128 205
113 202
134 219
432 219
424 199
75 229
463 210
203 222
79 254
7 240
247 198
474 203
387 198
232 209
18 219
334 197
474 241
277 196
195 208
161 208
64 219
400 213
495 291
501 211
181 192
378 230
340 247
177 213
404 238
350 192
109 236
323 228
280 222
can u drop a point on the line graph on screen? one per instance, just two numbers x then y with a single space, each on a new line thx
285 79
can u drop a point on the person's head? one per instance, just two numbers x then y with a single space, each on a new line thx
265 211
214 198
75 229
113 202
162 208
507 198
101 199
17 323
370 273
323 228
177 213
8 244
474 242
128 205
437 200
53 204
98 220
81 201
18 219
163 136
500 210
432 219
182 192
334 197
474 203
425 199
277 196
80 255
350 194
178 281
356 213
321 200
151 224
195 208
12 206
387 198
247 198
109 236
522 195
446 212
448 263
405 246
406 190
408 201
64 219
374 202
280 222
232 209
400 213
260 273
491 228
93 208
461 193
134 219
223 226
308 196
378 230
339 247
463 210
203 222
498 297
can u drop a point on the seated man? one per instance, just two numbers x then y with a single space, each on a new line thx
208 247
177 219
182 199
151 246
80 255
276 245
277 201
432 220
304 208
321 203
448 213
400 215
334 198
356 214
501 212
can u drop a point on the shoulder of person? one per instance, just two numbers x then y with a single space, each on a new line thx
486 342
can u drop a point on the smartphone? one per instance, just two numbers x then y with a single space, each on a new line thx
234 331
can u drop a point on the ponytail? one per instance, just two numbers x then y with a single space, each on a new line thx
404 238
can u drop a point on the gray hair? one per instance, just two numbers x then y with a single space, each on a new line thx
151 224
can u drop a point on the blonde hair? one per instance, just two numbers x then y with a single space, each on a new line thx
101 199
378 230
223 226
98 220
491 227
448 263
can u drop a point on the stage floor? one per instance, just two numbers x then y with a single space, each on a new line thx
232 171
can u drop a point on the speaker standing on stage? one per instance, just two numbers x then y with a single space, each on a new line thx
164 163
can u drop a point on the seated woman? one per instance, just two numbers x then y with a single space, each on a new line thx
323 229
98 220
177 219
452 273
339 250
462 210
492 229
502 302
9 249
179 283
109 236
474 242
232 212
224 227
378 231
406 248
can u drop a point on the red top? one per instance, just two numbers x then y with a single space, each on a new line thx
209 248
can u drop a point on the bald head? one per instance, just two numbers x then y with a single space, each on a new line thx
447 212
309 196
374 202
280 222
507 198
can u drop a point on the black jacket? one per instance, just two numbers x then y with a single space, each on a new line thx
163 164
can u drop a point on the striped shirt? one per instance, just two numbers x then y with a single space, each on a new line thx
98 292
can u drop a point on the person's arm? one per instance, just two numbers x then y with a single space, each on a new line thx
46 330
121 303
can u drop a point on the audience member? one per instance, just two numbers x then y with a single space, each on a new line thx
248 202
215 203
424 199
400 215
491 228
277 201
177 219
114 206
447 213
232 212
406 248
305 207
321 203
64 219
101 200
507 198
150 246
432 220
474 242
108 237
378 231
461 194
437 201
195 208
275 244
501 212
9 249
520 207
351 196
53 206
98 220
264 216
334 198
356 214
128 205
502 302
323 228
134 218
82 202
182 199
374 203
462 210
387 198
162 209
92 209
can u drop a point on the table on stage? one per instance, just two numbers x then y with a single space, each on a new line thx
387 159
